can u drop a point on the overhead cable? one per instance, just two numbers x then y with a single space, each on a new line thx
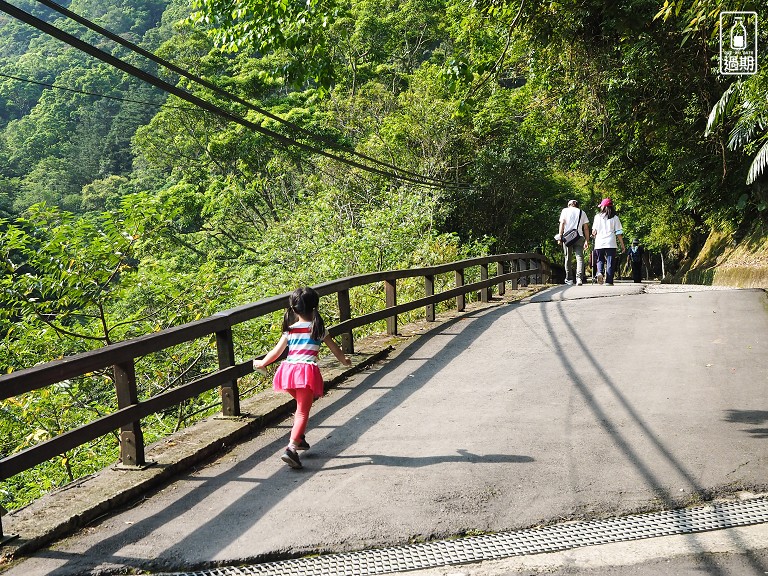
188 97
224 93
87 93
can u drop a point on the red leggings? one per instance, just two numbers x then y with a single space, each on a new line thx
304 398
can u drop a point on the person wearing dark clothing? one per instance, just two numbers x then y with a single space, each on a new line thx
636 259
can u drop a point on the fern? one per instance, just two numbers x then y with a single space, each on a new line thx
750 121
723 107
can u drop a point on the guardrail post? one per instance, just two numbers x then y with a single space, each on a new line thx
513 267
131 437
230 395
460 300
429 290
485 293
523 264
531 271
3 538
345 313
502 286
390 294
539 267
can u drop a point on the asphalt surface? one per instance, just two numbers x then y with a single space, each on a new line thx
578 403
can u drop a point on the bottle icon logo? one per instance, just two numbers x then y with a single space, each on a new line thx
738 35
738 43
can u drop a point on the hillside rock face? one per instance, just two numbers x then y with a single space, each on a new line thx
726 262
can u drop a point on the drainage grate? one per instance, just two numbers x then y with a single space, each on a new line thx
507 544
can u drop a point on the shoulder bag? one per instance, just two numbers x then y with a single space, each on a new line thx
569 238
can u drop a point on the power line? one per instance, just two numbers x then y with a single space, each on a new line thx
86 93
184 95
170 66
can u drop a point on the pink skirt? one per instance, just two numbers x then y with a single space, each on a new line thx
292 375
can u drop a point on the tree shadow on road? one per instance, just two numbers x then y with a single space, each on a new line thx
615 428
752 417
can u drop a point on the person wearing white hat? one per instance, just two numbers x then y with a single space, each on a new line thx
573 218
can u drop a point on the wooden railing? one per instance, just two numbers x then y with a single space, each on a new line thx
121 357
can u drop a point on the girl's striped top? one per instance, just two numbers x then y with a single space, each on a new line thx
302 348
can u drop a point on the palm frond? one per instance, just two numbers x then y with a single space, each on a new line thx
750 121
759 164
723 107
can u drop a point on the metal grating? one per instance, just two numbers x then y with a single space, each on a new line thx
508 544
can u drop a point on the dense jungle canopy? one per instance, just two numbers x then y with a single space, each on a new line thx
125 210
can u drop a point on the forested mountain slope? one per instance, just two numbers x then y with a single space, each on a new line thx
58 145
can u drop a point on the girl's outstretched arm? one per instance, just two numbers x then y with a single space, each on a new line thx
340 356
272 355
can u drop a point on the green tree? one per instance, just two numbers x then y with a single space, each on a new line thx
300 28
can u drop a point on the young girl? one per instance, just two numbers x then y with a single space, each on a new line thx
299 375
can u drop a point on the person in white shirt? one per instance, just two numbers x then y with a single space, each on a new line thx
573 217
606 230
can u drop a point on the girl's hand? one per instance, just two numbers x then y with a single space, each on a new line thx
260 363
258 367
336 349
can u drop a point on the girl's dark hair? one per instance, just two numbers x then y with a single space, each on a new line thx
304 301
608 211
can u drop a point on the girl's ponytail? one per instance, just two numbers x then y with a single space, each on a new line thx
318 326
288 319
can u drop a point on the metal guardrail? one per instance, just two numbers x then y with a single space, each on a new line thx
121 356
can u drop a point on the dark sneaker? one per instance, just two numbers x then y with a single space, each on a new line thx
291 458
303 445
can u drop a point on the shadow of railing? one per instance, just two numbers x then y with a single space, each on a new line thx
239 513
121 357
623 441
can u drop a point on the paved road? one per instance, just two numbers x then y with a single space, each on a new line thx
579 403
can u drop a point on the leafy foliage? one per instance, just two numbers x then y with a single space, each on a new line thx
297 27
128 214
743 102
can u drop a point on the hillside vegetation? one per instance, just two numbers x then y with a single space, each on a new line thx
726 260
351 136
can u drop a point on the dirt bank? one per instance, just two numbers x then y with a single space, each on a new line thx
724 261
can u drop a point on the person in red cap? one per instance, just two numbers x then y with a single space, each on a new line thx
606 230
